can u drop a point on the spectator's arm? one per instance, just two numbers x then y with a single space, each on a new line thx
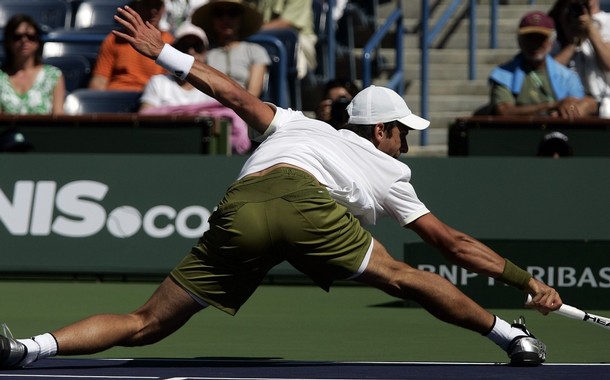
565 54
256 79
602 48
278 23
59 95
98 82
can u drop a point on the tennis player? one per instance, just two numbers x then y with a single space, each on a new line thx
301 198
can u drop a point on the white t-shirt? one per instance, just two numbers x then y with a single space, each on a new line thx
585 62
162 90
370 183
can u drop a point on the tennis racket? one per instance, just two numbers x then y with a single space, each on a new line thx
576 313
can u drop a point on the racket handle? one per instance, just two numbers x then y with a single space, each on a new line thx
565 310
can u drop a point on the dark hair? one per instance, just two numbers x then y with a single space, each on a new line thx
9 32
554 143
188 41
563 8
350 86
366 130
153 4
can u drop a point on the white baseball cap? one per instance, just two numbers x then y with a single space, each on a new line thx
381 105
188 29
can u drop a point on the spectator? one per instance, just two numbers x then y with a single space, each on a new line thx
169 90
177 12
583 44
533 83
554 144
27 86
336 96
167 94
298 15
118 66
227 24
13 141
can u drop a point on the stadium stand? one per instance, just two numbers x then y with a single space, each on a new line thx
84 101
49 14
288 38
96 13
84 42
75 68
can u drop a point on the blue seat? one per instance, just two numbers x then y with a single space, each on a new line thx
84 101
274 90
85 42
75 68
49 14
289 39
96 13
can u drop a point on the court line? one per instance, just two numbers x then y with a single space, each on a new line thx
13 375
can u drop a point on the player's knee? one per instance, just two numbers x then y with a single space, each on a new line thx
146 330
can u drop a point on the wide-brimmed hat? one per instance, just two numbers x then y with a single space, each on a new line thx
251 18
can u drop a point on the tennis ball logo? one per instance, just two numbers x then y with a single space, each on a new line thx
77 210
124 221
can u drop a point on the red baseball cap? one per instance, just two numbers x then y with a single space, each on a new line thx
537 22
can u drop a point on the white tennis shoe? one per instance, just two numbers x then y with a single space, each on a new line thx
526 350
12 352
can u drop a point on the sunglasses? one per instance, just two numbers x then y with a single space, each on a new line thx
29 37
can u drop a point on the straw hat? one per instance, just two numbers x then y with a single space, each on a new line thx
251 18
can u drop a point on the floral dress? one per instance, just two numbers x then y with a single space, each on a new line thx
37 100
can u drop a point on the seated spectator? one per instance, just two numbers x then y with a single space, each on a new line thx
177 12
336 96
118 65
169 90
583 44
166 94
227 23
27 86
533 83
297 15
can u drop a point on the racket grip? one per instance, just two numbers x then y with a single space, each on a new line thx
565 310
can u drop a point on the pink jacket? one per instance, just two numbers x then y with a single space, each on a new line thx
240 141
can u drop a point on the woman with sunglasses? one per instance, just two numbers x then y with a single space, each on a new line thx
27 86
228 23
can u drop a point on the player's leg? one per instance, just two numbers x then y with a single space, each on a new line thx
446 302
433 292
168 309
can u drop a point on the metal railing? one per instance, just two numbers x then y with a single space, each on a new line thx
428 35
396 81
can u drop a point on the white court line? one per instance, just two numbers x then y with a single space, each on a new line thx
25 376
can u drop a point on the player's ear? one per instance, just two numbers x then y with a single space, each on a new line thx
378 131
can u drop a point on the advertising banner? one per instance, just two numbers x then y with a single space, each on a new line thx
579 270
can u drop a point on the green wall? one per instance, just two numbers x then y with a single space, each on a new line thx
63 213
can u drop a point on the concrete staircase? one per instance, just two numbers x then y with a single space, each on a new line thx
451 93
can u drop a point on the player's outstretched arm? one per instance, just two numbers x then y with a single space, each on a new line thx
146 40
476 257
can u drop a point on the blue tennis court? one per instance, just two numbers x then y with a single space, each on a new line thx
187 369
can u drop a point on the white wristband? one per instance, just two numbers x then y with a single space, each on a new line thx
175 61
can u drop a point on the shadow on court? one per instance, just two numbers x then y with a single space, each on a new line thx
275 368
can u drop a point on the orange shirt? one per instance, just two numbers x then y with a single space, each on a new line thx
125 68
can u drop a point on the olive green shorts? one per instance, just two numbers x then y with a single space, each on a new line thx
262 221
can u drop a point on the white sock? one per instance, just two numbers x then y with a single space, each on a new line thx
502 333
39 347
